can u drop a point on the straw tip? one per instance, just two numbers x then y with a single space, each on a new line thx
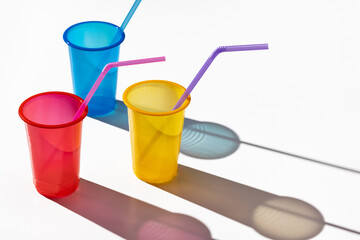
261 46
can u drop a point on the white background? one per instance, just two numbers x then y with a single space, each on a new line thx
302 97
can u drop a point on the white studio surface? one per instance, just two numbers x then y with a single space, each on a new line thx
250 114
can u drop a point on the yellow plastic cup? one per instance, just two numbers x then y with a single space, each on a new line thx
155 129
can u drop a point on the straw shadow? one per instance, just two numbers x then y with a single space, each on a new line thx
206 140
128 217
301 157
272 216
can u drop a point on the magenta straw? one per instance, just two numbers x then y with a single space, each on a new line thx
105 71
211 59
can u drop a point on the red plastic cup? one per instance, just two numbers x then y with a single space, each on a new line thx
54 141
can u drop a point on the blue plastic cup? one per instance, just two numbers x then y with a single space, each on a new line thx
92 45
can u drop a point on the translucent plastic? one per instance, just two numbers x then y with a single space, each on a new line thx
54 141
91 46
155 129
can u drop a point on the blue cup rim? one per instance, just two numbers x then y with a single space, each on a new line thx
66 40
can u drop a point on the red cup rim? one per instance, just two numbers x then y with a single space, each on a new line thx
28 121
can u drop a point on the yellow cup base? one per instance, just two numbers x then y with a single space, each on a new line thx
156 181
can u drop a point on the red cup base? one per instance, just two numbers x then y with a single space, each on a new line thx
54 190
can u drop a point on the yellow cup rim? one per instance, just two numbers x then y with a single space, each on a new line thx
132 107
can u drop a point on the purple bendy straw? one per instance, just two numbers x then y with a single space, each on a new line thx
211 59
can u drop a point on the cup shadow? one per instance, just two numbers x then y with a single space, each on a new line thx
128 217
275 217
207 140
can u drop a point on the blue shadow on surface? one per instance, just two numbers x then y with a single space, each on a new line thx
207 140
117 118
128 217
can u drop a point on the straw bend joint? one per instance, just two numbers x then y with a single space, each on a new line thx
210 60
109 66
218 51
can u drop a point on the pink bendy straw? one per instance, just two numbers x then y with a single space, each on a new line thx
104 72
211 59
